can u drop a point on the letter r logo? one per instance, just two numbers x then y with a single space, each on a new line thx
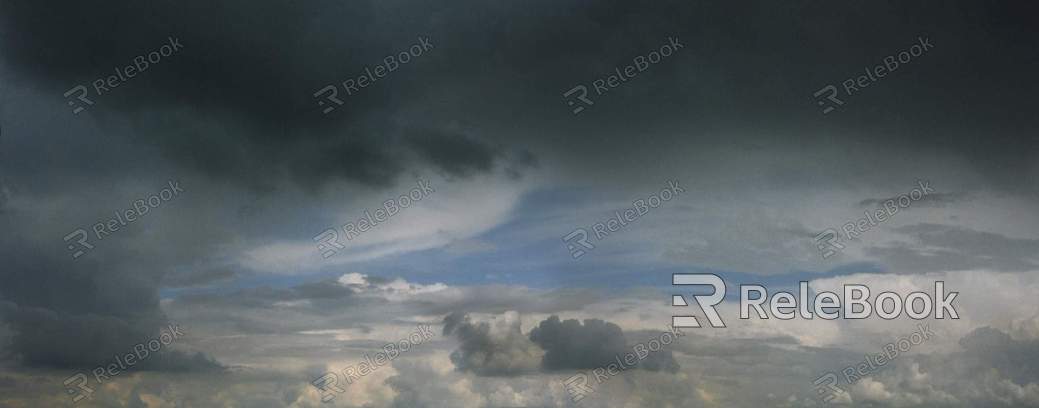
328 243
583 97
82 90
833 98
327 384
579 237
827 243
82 241
577 387
332 96
826 387
706 302
81 390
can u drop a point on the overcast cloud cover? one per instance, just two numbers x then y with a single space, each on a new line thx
232 120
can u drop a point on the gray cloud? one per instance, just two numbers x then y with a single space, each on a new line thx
938 247
992 369
67 314
499 347
571 345
495 348
223 106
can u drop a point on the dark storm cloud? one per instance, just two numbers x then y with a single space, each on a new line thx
570 345
939 248
237 100
499 350
50 338
456 155
75 314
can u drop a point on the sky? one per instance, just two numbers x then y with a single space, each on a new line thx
276 193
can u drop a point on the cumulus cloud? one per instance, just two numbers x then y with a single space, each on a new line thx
434 383
938 247
497 347
570 344
990 369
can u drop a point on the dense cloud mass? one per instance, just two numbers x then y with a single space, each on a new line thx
958 248
991 369
570 344
216 186
501 349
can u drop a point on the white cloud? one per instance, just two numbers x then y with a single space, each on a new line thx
457 212
397 289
